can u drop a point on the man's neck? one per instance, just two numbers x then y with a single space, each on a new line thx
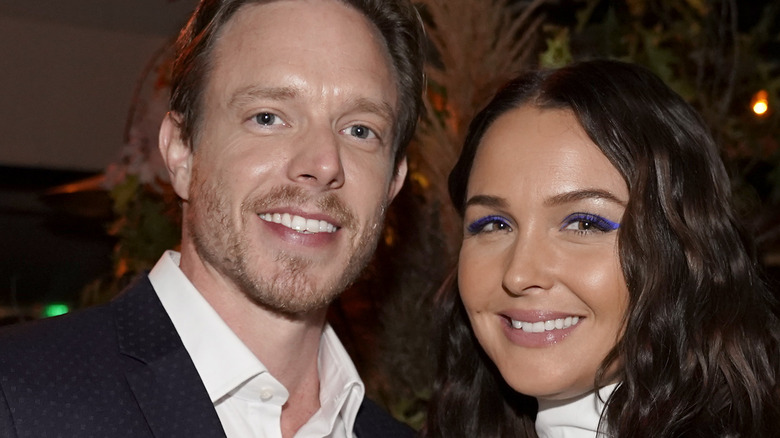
288 347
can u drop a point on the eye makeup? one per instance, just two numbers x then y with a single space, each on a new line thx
588 222
482 223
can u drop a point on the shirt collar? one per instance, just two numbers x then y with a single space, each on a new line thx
574 418
341 389
224 363
222 360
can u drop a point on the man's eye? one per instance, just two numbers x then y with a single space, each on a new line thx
588 223
267 119
361 132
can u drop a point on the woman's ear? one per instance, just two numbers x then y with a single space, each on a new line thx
176 154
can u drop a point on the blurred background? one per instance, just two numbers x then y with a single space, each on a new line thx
69 73
84 202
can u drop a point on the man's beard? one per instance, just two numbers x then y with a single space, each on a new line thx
290 287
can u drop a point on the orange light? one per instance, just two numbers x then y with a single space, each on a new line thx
760 103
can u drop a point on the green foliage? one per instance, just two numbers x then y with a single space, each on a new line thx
558 52
698 49
147 224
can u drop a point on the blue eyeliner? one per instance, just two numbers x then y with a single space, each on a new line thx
598 222
477 226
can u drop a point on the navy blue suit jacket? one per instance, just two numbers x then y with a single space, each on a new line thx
117 370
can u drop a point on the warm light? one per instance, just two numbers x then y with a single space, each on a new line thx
760 103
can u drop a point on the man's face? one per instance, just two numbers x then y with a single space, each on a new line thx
293 164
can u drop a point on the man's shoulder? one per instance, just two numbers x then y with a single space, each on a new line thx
115 370
86 332
374 422
56 361
54 333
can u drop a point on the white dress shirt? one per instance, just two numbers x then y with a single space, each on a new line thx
575 418
247 398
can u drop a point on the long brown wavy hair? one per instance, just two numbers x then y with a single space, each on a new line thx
699 357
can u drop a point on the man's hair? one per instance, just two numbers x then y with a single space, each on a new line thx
397 22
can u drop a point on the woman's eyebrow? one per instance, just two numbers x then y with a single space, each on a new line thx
486 201
578 195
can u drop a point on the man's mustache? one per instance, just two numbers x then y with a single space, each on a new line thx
294 196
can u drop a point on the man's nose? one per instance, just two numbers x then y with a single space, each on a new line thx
316 160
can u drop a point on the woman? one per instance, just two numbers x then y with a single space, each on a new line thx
604 283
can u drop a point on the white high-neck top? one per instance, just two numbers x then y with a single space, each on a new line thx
573 418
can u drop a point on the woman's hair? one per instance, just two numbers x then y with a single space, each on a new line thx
699 356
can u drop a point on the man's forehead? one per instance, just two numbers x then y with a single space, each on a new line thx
290 57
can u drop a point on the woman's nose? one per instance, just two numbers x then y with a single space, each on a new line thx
529 266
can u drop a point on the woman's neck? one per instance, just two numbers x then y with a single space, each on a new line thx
573 418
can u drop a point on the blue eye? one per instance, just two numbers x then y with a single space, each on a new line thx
488 224
361 132
588 223
267 119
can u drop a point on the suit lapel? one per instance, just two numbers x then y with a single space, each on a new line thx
373 422
165 382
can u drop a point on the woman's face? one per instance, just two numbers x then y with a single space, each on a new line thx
539 272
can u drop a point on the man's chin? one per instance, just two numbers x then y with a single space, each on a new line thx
297 284
293 307
294 294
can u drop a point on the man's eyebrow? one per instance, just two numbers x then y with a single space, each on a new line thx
253 92
578 195
486 201
383 109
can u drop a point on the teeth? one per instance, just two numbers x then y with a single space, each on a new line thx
300 224
546 326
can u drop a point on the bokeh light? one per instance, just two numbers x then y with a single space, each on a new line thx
760 103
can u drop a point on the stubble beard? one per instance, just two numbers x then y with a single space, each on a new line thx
291 288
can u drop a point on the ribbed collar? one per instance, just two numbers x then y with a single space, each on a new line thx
573 418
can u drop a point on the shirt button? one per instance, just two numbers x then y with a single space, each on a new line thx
266 394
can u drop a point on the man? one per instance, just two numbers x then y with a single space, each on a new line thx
285 143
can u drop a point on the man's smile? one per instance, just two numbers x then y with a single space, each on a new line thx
299 223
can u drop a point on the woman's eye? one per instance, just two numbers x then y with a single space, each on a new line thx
588 223
267 119
489 224
361 132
